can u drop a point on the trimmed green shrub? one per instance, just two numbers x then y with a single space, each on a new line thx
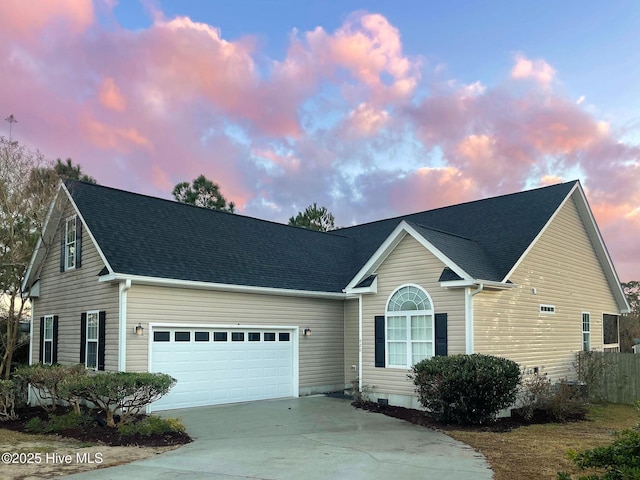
151 425
57 423
466 389
8 392
125 391
619 461
36 425
47 381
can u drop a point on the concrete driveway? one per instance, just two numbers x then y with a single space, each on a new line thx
312 438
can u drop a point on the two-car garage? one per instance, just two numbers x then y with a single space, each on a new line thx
217 365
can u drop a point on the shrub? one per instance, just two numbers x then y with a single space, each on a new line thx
620 460
36 425
8 392
590 368
113 391
151 425
47 381
57 423
560 402
466 389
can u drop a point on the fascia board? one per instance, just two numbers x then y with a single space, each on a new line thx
593 232
373 288
475 282
601 251
87 229
391 243
540 233
170 282
37 251
438 253
379 256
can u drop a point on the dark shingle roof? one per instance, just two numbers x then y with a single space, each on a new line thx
497 229
464 252
141 235
147 236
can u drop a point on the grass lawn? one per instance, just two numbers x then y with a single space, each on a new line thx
540 451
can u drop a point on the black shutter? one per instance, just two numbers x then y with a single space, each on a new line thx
54 347
63 234
83 338
41 356
101 338
78 242
379 340
441 334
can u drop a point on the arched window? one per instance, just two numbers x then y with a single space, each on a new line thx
409 327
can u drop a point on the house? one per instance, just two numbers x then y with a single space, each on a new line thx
239 309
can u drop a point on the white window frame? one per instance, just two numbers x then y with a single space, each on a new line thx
611 347
408 314
547 309
70 245
586 333
46 339
92 341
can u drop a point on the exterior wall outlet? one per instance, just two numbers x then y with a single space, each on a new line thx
354 368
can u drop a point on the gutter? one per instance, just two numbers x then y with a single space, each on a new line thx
199 285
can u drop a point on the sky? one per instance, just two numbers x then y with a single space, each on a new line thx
370 108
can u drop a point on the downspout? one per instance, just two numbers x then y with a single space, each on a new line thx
360 342
30 394
122 330
470 347
33 306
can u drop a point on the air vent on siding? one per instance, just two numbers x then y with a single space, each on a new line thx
548 309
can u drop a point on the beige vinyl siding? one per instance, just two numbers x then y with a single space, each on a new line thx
351 308
68 294
321 354
409 262
565 272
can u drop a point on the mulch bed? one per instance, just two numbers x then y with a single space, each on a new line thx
97 432
422 418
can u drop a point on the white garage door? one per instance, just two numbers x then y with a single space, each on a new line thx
215 366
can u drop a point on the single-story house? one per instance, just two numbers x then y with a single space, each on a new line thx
237 308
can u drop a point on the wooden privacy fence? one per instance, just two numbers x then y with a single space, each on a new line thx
610 376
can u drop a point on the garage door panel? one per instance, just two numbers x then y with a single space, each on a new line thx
216 370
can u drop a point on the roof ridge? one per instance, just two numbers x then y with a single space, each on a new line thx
441 231
175 202
402 217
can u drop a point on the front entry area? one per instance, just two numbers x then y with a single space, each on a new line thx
215 366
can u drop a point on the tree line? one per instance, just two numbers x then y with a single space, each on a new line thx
28 183
203 192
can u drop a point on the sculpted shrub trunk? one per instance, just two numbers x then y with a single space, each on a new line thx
47 381
126 392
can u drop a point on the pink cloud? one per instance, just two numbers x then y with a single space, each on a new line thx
366 120
368 47
108 137
432 187
145 110
20 19
110 96
538 70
